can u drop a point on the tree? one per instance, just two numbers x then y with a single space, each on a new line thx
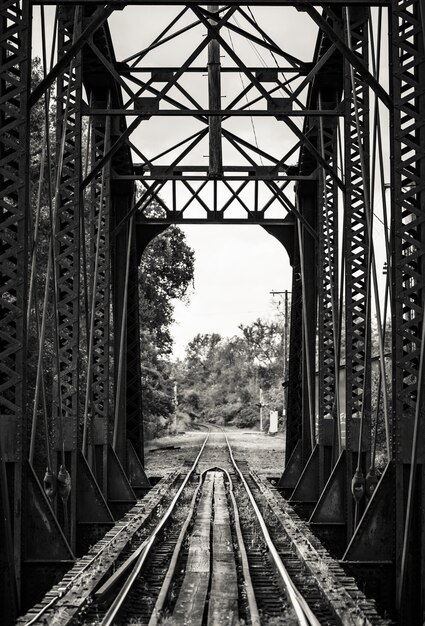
165 274
199 353
264 341
220 378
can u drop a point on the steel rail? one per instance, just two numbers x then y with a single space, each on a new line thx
162 597
303 612
74 579
87 565
249 589
117 604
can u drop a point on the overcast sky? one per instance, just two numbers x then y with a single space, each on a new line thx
236 268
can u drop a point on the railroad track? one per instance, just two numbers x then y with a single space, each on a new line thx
219 551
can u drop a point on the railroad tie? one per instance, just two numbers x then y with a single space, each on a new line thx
190 605
223 605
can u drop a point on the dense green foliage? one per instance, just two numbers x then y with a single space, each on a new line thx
165 273
220 378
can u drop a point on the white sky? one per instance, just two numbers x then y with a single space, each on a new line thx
236 266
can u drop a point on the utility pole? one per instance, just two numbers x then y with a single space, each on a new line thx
286 294
285 355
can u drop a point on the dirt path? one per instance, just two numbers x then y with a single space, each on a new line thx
263 453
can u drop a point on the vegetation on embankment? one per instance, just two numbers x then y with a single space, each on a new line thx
220 378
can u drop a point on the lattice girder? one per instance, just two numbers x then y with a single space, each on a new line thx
67 227
14 163
357 202
328 278
408 61
100 201
14 201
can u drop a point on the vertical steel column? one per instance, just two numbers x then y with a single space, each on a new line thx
327 291
14 202
408 276
307 203
307 488
357 310
100 245
120 493
121 204
67 247
134 373
294 408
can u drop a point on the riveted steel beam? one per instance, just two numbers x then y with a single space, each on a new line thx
14 201
67 248
327 329
408 279
133 394
98 402
150 109
349 54
355 232
294 408
301 4
357 277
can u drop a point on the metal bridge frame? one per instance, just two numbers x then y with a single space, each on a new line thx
99 222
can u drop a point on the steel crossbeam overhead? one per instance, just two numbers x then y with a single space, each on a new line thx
244 132
148 112
159 86
272 3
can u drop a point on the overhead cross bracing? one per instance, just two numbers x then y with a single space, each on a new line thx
214 118
243 180
260 3
197 190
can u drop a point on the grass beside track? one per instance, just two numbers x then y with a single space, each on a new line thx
263 453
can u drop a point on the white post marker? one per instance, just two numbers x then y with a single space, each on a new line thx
273 427
261 410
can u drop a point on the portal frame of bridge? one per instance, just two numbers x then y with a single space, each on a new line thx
105 457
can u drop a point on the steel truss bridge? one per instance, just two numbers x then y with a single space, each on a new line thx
341 186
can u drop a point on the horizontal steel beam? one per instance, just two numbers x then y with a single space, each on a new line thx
139 168
205 177
123 68
262 3
216 218
211 113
